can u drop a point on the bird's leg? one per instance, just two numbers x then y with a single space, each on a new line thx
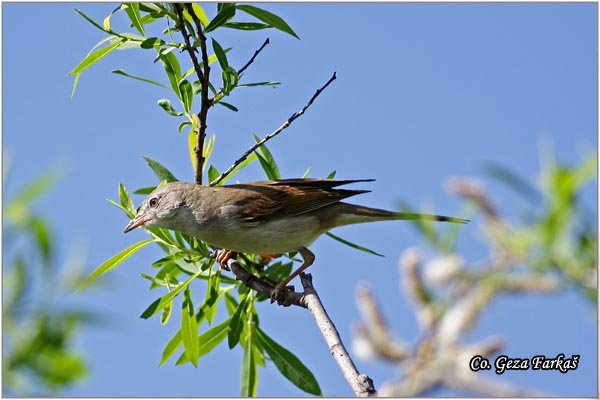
224 255
308 257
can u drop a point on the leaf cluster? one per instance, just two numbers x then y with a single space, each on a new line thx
38 356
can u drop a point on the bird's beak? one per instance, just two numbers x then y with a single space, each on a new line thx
139 220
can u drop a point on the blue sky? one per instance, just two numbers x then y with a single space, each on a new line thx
424 92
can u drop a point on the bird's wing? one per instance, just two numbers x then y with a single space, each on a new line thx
270 199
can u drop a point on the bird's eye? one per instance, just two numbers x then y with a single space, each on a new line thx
153 202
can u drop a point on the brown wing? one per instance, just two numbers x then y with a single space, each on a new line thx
269 199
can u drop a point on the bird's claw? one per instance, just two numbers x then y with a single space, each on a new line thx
277 293
222 256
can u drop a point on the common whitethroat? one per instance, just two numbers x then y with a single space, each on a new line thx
268 217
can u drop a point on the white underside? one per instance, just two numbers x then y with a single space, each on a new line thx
273 237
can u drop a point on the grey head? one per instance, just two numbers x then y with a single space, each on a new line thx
162 207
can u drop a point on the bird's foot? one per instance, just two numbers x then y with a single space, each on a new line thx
277 293
224 255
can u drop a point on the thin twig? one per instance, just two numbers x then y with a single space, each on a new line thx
361 385
241 70
272 134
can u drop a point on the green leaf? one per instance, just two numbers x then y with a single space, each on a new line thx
267 161
268 18
229 106
123 73
114 262
237 324
213 294
189 328
199 11
172 69
246 26
96 56
212 337
166 105
353 245
220 53
161 172
125 200
265 83
513 181
183 125
187 96
88 19
145 190
38 186
208 340
133 12
159 303
152 42
230 79
120 207
166 314
212 173
221 18
288 364
249 374
171 347
43 238
251 157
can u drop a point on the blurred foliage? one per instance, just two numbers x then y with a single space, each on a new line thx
38 353
552 248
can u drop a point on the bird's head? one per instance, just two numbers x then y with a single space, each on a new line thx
160 208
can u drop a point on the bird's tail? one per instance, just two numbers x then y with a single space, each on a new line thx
355 214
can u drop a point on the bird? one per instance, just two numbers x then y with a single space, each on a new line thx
264 217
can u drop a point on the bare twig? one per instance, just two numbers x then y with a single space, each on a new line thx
362 385
272 134
256 53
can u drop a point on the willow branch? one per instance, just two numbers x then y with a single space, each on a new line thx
272 134
361 384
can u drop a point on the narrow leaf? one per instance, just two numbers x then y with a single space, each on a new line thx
237 324
353 245
249 374
139 78
133 12
114 262
171 347
189 328
159 303
161 172
288 364
220 54
96 56
166 105
221 18
268 18
212 337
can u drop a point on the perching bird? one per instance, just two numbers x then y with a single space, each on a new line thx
269 217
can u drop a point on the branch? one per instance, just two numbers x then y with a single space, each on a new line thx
241 70
272 134
203 76
362 385
251 281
